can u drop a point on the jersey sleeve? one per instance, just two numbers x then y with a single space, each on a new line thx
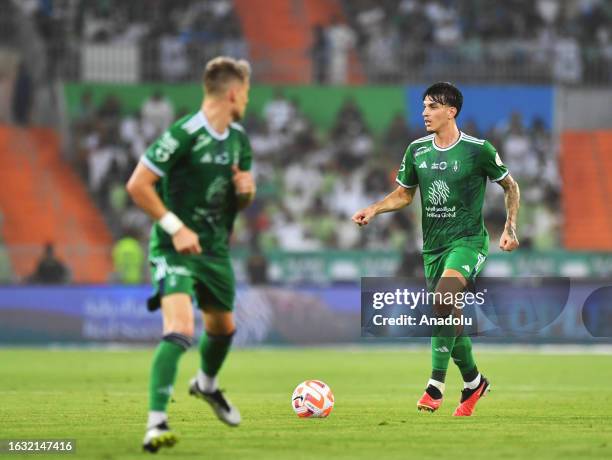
492 165
246 153
406 176
166 150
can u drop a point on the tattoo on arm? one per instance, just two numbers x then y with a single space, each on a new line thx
512 196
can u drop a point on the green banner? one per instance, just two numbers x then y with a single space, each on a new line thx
320 104
336 266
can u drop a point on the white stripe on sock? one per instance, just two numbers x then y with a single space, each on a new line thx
473 384
155 418
206 383
439 385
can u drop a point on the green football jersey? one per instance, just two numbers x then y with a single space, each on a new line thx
195 165
452 182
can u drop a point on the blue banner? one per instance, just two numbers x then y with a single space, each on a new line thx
491 105
303 315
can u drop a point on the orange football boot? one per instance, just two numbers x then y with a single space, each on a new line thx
427 403
469 398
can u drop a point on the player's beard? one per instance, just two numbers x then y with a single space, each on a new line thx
236 115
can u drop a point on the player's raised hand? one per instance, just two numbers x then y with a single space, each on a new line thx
186 241
363 216
243 181
508 241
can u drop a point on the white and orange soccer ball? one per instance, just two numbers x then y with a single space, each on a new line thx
312 398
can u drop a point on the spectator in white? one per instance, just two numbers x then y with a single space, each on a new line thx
278 112
568 61
341 40
548 10
158 111
135 134
380 52
519 154
173 59
301 183
370 20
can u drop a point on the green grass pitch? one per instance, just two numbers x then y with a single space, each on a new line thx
541 406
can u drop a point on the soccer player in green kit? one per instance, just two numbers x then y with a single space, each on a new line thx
451 169
192 181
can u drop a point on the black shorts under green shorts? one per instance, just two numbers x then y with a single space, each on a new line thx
210 280
466 259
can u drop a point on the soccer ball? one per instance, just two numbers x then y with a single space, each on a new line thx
312 398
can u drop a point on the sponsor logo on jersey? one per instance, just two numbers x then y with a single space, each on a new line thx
422 150
455 166
438 192
423 165
498 161
441 166
222 158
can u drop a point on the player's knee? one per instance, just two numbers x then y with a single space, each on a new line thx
182 340
180 327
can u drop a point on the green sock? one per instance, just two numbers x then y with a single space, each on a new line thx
213 350
163 371
464 358
442 343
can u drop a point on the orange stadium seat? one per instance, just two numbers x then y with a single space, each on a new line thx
43 200
586 159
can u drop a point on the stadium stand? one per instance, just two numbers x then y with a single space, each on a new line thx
506 40
44 201
585 160
380 41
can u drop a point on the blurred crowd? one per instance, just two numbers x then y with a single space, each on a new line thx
570 40
310 182
567 41
173 37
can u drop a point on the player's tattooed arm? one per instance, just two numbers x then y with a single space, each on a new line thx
512 196
395 200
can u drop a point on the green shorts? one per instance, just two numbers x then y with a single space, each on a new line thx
467 260
210 280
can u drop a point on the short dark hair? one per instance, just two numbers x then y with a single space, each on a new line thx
445 93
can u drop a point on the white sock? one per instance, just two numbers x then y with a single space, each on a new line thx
473 384
155 418
439 385
206 383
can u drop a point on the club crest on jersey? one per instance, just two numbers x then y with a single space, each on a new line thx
422 150
216 191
